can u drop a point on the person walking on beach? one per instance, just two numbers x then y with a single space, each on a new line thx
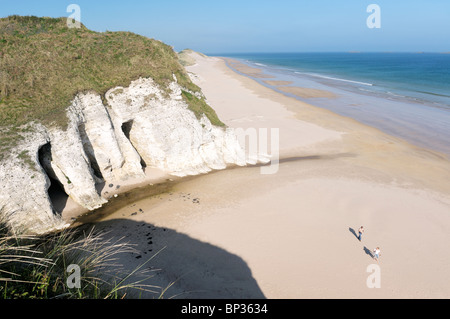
376 253
360 232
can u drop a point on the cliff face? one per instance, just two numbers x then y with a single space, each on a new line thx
140 125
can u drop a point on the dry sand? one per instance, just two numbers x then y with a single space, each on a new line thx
240 234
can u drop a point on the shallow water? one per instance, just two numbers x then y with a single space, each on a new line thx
419 118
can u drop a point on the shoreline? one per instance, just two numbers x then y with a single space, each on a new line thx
360 135
238 234
403 117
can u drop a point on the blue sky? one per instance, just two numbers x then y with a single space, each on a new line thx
213 26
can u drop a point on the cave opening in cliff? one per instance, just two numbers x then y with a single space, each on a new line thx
56 193
126 129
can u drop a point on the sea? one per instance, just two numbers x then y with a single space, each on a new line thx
406 95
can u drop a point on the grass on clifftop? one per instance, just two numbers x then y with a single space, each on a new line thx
44 64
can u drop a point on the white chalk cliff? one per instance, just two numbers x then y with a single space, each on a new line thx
139 124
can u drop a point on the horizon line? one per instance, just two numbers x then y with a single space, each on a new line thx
351 51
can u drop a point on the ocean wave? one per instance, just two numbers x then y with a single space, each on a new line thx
397 95
433 93
336 79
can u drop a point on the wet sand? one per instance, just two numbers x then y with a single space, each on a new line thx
241 67
306 93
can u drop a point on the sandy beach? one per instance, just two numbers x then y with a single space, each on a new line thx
238 233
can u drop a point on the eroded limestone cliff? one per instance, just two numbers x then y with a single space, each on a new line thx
106 140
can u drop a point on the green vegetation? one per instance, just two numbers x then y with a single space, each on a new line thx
44 64
37 267
199 106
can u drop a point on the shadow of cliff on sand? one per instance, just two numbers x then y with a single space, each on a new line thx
193 269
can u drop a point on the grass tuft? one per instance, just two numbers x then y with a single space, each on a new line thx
37 267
